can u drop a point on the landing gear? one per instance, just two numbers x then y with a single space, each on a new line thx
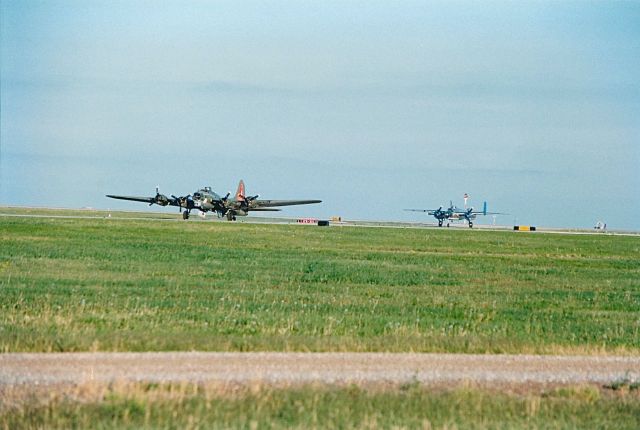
231 216
448 225
440 223
185 215
470 224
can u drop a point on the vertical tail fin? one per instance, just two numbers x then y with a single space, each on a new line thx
240 192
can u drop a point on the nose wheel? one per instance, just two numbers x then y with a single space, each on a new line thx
185 215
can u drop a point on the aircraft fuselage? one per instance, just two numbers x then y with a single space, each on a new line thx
206 199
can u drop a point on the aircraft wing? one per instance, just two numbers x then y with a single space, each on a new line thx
265 210
257 204
159 199
133 198
430 211
484 212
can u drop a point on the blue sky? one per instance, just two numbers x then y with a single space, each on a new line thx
371 106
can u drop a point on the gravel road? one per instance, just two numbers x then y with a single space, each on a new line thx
42 369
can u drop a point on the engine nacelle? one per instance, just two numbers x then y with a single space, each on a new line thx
162 200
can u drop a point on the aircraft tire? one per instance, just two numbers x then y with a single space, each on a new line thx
470 224
185 215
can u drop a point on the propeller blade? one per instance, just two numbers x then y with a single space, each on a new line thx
179 201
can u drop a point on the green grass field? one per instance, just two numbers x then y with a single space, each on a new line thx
136 285
191 407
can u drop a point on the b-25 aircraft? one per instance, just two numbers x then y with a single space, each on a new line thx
205 199
453 213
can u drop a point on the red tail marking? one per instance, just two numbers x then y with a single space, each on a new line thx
240 192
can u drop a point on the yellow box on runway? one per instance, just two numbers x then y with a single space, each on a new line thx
524 228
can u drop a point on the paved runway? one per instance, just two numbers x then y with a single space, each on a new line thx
159 216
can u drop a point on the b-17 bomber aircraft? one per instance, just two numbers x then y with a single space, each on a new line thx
453 213
205 199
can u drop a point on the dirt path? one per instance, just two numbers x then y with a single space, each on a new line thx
298 368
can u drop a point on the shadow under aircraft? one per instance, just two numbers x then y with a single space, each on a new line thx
205 200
